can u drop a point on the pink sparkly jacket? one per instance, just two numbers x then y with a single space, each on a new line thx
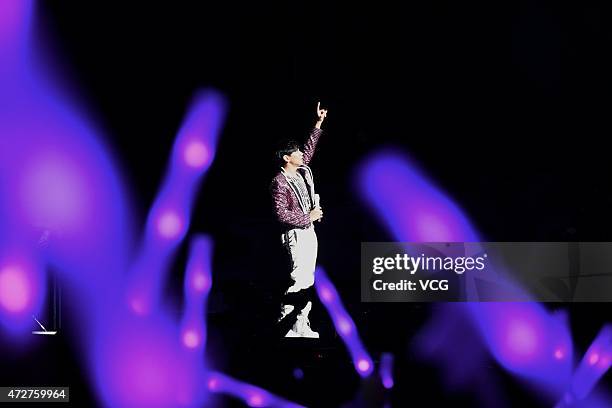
286 203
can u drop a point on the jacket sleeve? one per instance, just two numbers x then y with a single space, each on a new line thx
296 217
311 143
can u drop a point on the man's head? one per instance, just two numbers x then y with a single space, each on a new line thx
289 153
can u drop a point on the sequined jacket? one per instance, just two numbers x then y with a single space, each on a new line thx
286 204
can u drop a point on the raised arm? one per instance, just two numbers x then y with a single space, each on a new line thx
315 133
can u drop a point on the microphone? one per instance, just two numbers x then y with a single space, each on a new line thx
317 200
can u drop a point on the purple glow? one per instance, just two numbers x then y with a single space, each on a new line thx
386 370
594 365
196 154
191 339
213 383
298 374
138 306
169 217
169 225
326 295
249 394
200 282
526 340
364 366
415 210
15 289
54 171
138 363
11 16
197 286
343 323
197 139
74 193
344 326
199 275
21 292
559 354
255 399
56 176
53 190
410 205
522 337
15 18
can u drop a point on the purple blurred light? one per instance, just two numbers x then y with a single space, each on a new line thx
138 305
256 399
55 175
326 295
168 219
364 366
191 339
139 363
522 337
527 340
196 154
559 354
16 291
213 383
344 326
410 205
251 395
170 225
21 291
298 373
200 282
343 323
54 192
386 370
198 278
594 365
15 17
196 142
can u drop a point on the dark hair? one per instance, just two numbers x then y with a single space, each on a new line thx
286 148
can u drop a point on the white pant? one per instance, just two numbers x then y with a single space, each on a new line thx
302 245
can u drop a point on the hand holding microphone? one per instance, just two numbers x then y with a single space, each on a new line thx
317 213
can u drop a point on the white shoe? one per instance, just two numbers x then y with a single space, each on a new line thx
292 333
302 329
308 332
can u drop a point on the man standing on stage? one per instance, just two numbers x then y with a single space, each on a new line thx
297 208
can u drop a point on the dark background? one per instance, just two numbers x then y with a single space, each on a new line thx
505 106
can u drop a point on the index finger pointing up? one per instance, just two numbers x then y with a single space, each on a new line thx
318 105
